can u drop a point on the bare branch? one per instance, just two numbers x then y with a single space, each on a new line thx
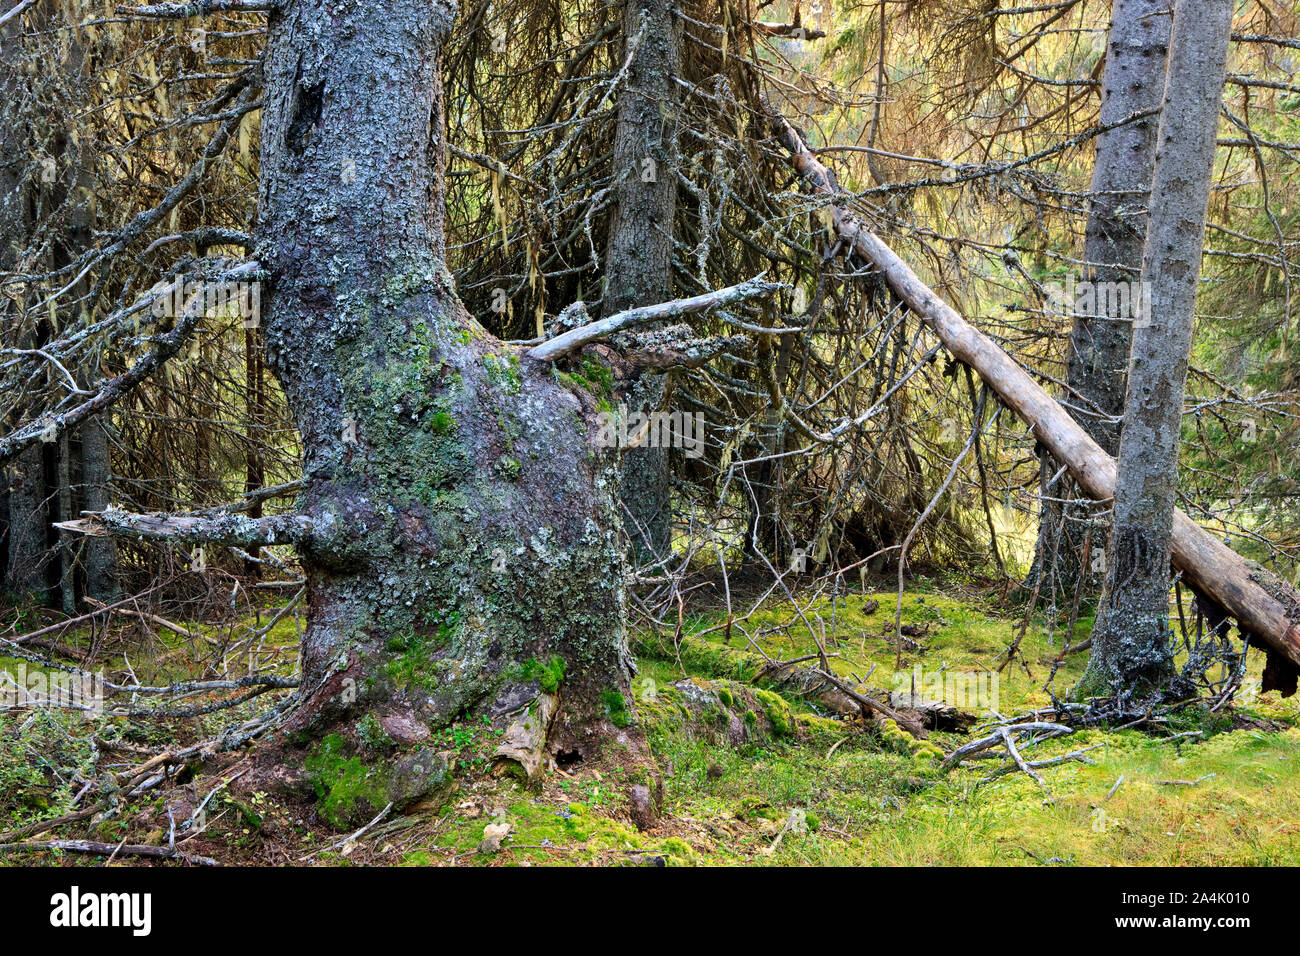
575 339
234 530
48 427
787 30
183 11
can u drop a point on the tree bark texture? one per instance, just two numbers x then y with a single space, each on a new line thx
639 253
1132 646
1132 82
460 546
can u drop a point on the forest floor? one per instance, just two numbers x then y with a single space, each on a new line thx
1205 789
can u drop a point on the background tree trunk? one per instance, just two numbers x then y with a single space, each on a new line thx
99 552
1133 81
255 415
47 483
639 254
463 556
24 485
1132 647
28 557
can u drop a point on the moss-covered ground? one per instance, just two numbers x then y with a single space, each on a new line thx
803 789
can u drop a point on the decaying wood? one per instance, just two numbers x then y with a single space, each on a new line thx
110 850
1209 565
935 714
1035 727
524 741
222 528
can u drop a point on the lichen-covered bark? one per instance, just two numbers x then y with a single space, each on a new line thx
1131 649
638 258
463 552
1133 82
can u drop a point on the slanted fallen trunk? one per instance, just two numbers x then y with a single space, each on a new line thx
1265 607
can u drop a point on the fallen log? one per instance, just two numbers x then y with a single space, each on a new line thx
1264 606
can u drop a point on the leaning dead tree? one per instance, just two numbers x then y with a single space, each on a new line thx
1265 607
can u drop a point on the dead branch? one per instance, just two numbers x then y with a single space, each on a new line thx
575 339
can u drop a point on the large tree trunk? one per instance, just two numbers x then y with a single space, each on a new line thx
459 546
1132 646
1264 607
639 255
1133 82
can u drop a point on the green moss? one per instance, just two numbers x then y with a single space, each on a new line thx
442 423
701 657
343 783
815 724
725 695
417 663
895 738
616 707
777 710
548 674
590 376
598 375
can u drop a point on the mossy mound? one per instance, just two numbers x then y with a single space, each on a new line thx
351 790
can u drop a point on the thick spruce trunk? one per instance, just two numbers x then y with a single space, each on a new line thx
1133 82
464 556
1132 647
639 254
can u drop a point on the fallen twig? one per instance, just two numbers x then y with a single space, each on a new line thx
110 849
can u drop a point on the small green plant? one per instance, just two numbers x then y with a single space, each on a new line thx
343 783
